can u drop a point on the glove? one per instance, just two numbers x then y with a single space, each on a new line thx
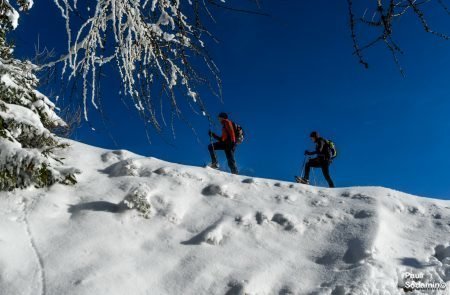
210 133
307 153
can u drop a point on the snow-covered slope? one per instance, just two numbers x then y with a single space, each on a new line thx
209 232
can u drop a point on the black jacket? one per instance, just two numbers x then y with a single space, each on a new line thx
322 149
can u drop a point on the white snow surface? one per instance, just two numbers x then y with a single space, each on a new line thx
209 232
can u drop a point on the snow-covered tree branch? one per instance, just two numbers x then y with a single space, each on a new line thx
156 46
26 144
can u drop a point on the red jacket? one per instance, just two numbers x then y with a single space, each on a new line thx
227 132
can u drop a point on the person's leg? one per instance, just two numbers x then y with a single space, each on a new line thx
326 173
312 163
229 152
212 151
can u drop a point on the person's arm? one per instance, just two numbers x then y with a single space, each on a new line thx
319 149
215 136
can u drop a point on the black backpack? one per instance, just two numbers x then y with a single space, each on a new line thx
239 133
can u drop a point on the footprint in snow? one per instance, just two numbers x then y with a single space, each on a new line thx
236 288
286 198
215 190
437 216
329 258
286 291
244 221
364 198
413 210
339 290
162 171
285 221
261 218
248 180
356 251
320 203
212 190
345 195
363 214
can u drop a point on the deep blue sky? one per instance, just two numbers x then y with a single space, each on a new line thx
292 73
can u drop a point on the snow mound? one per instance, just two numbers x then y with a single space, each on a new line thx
139 198
208 232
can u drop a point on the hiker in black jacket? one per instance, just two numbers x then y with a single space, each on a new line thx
322 159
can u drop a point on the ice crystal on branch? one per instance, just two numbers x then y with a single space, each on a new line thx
152 43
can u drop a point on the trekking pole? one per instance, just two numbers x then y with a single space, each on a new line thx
211 142
302 172
211 138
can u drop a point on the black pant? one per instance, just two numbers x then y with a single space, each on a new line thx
319 163
229 149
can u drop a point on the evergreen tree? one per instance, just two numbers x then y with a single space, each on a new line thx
26 118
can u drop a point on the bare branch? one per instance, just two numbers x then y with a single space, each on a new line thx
383 20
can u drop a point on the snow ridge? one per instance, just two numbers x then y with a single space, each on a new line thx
210 232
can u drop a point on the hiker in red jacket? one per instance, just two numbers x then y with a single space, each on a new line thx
226 142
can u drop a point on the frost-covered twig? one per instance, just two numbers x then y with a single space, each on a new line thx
152 44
